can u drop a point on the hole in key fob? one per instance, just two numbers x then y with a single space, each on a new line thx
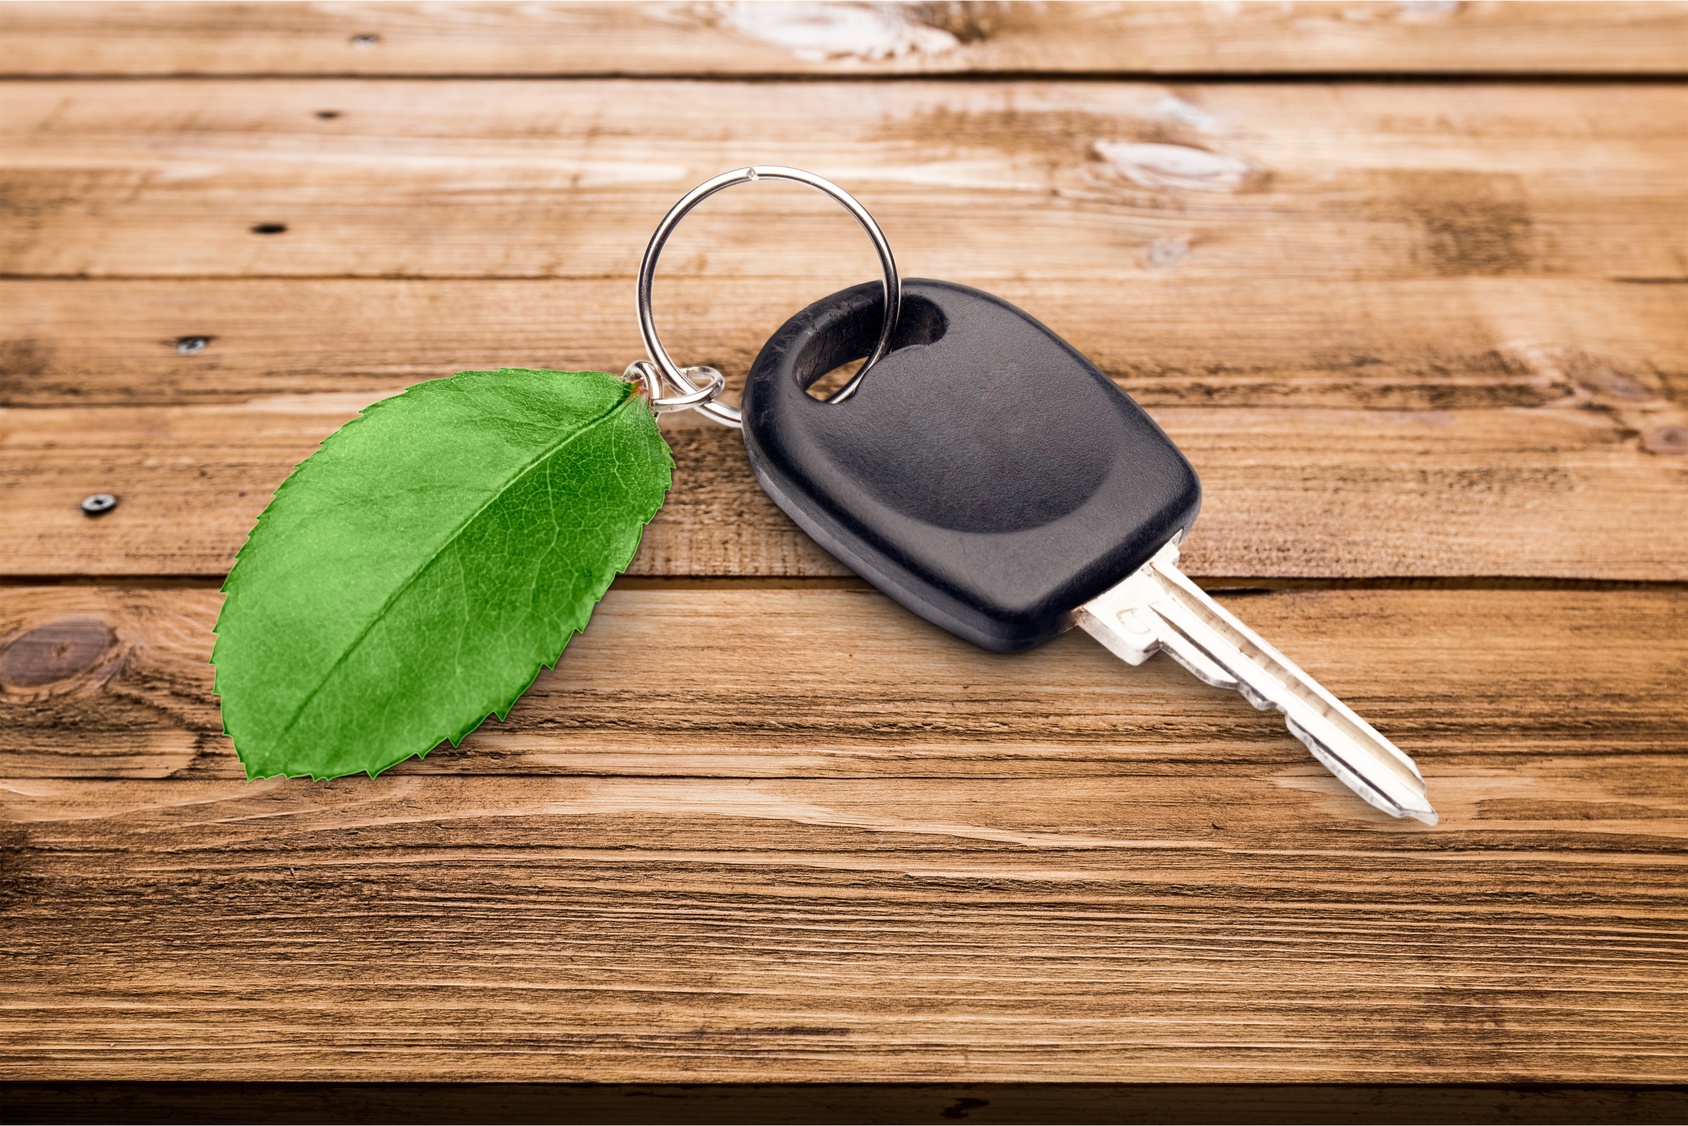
985 474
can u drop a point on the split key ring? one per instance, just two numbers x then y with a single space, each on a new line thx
661 372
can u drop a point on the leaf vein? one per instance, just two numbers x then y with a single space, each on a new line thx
450 541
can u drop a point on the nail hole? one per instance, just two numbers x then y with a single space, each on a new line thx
365 42
328 114
192 345
269 228
99 504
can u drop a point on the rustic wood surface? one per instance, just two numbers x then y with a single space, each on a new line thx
1124 181
852 847
1289 493
1426 341
806 38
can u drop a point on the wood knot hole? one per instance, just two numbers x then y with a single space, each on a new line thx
54 652
1671 441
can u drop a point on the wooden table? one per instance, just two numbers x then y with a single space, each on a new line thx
1405 281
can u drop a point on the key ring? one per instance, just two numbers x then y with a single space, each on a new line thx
661 371
647 373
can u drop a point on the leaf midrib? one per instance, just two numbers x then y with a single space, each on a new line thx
422 567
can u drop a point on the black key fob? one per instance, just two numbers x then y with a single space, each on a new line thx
985 474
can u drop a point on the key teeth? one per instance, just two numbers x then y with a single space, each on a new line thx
1214 676
1184 622
1197 661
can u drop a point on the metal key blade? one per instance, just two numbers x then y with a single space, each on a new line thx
1159 608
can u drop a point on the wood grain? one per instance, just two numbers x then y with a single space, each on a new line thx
971 180
1313 493
808 38
803 684
857 849
1423 335
1425 344
1428 311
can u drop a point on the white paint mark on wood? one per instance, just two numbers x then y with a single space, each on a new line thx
1425 10
1586 379
1174 108
1165 253
819 32
1173 167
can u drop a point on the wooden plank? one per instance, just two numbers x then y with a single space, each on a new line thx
971 180
1425 344
114 683
809 38
1172 333
1564 493
842 848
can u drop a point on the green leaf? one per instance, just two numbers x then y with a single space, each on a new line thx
414 574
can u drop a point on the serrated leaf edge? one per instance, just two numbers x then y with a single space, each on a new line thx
632 395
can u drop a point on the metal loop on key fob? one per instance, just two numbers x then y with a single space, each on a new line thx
667 373
646 372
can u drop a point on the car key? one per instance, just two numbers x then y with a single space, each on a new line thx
992 480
